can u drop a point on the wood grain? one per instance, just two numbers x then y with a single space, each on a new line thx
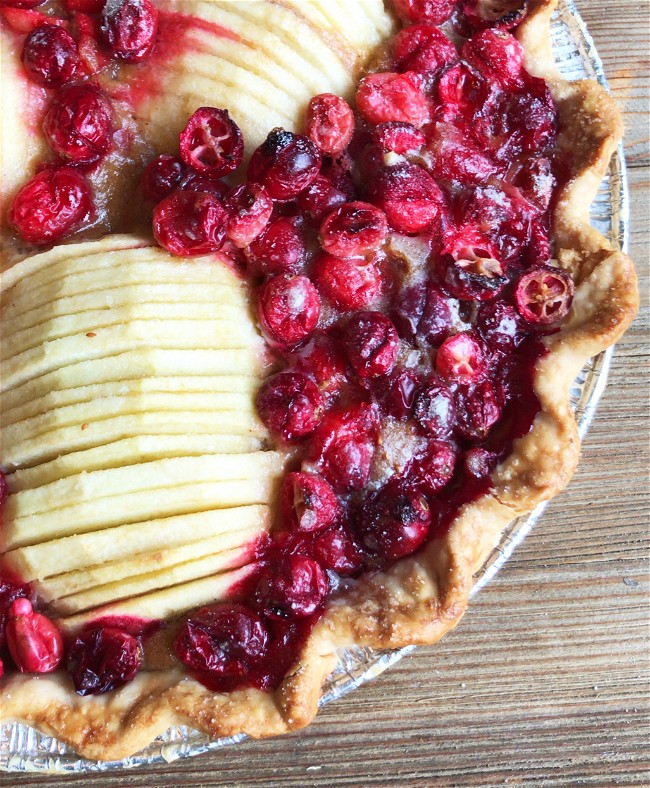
546 681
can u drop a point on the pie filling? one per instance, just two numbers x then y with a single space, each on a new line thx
399 262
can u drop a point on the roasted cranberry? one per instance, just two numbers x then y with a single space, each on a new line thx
288 309
371 343
462 90
189 223
434 409
103 658
469 267
433 467
50 56
504 14
34 642
21 3
195 182
535 181
211 142
129 29
528 119
396 393
422 312
479 462
295 588
285 164
78 125
249 210
500 326
51 205
347 282
434 11
455 156
320 198
408 195
290 405
4 489
336 549
322 359
160 177
478 409
461 358
544 295
498 53
225 641
308 503
422 48
353 229
280 249
329 123
393 97
398 137
85 6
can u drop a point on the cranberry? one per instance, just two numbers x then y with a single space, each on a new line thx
103 658
249 210
160 177
78 125
85 6
500 326
280 249
9 592
224 640
432 469
211 142
498 53
544 295
129 29
434 11
336 549
479 408
189 223
396 393
422 312
294 589
353 229
329 123
461 358
535 181
479 462
504 14
51 205
34 642
50 56
408 195
284 164
308 503
434 409
462 90
21 3
528 120
422 48
469 267
393 97
290 405
395 520
4 489
371 343
398 137
288 309
347 282
320 198
455 156
324 362
195 182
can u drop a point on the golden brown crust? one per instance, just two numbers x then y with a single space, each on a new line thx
420 598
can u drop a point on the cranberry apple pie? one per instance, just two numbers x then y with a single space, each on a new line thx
292 297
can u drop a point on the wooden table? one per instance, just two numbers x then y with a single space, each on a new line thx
546 680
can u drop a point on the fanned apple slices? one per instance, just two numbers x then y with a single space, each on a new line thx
139 484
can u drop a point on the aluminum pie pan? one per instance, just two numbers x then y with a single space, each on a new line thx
22 748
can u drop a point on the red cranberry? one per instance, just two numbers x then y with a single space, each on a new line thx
85 6
393 97
285 164
195 182
320 198
4 489
335 549
249 210
504 14
535 181
129 29
308 503
51 205
462 91
397 137
9 592
423 314
290 405
189 223
478 409
329 123
544 295
434 11
500 326
280 249
324 362
224 640
160 177
295 588
461 359
21 3
456 157
288 309
50 56
211 142
371 343
353 229
434 409
498 53
102 659
408 195
422 48
396 393
347 282
469 267
78 125
432 469
479 462
528 120
34 642
395 521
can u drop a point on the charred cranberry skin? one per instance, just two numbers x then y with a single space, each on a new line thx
225 641
320 198
347 282
497 53
371 343
189 223
50 56
393 97
129 29
461 359
398 137
290 405
279 249
288 309
211 142
408 195
34 642
51 205
329 123
307 502
78 125
544 295
335 549
422 48
294 589
482 14
500 326
434 11
353 229
160 177
478 409
470 268
285 164
435 410
102 659
249 211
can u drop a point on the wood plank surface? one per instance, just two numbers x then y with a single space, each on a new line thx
546 680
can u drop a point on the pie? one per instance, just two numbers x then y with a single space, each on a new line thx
277 373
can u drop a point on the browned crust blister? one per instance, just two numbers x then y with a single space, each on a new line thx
422 597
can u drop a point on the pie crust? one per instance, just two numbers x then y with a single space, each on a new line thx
422 597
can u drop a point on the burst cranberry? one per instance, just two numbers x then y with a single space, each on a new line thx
461 359
422 312
102 659
34 642
456 157
336 549
396 393
528 119
432 469
353 229
51 205
78 125
322 359
422 48
347 283
462 90
535 181
285 164
434 409
320 198
500 326
544 295
504 14
469 267
308 503
129 29
408 195
478 409
290 405
393 97
288 309
434 11
189 223
371 343
211 142
160 177
280 249
50 56
249 210
329 123
397 137
225 641
294 589
497 53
